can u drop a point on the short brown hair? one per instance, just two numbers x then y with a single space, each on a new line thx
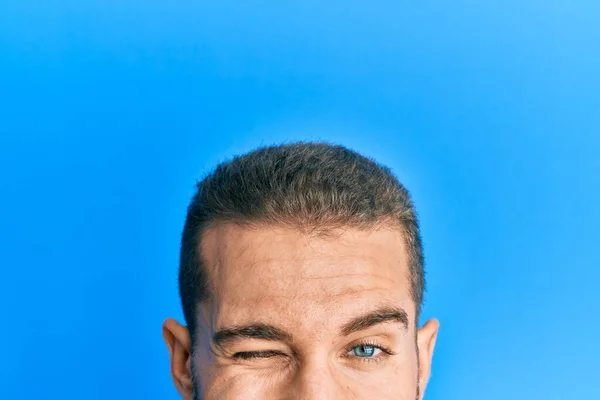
314 186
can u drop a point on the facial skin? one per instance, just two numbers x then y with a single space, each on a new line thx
294 316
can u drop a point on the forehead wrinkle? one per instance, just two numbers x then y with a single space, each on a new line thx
273 305
342 275
230 250
301 283
372 277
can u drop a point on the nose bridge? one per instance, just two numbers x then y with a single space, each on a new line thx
316 379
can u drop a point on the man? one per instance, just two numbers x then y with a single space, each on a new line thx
301 277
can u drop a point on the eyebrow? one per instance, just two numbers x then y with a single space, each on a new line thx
271 333
379 316
254 331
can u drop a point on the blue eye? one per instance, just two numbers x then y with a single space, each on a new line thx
365 351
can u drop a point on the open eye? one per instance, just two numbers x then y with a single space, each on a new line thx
365 351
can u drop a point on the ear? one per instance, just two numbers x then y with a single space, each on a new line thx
426 338
177 338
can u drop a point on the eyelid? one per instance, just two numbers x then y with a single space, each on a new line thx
264 354
385 351
258 354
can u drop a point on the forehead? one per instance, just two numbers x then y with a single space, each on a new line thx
272 271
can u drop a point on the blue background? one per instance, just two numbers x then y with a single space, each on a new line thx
488 111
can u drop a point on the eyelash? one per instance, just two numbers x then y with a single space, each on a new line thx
385 351
249 355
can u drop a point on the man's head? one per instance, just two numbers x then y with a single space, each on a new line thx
301 276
